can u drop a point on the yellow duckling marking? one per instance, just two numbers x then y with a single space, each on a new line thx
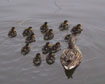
31 29
14 30
49 44
52 31
67 23
28 46
47 25
33 36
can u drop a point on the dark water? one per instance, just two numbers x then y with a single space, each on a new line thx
18 69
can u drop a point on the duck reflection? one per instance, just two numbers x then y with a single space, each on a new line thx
69 73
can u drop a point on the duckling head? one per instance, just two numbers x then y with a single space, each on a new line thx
48 44
45 23
79 25
66 22
38 55
30 28
27 45
13 29
69 35
51 30
51 54
58 43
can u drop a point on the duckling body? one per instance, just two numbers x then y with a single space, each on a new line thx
55 48
28 32
71 57
30 39
37 59
12 33
26 49
49 35
64 26
44 28
77 29
50 59
46 48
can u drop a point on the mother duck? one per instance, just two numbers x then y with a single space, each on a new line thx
71 56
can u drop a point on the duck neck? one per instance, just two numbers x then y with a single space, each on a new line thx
71 44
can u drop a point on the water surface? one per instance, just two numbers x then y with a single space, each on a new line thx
18 69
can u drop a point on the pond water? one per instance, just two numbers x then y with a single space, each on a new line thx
18 69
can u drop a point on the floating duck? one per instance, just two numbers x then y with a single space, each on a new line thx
67 37
44 28
12 33
50 59
28 32
46 48
64 25
77 29
30 38
26 49
72 56
49 35
55 48
37 59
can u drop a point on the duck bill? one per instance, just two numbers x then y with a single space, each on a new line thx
69 68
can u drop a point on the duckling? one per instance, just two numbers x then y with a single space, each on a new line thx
77 29
30 38
37 59
44 28
71 56
67 37
64 26
46 48
50 59
55 48
12 33
28 31
49 35
26 49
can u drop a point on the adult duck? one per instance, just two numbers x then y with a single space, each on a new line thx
71 56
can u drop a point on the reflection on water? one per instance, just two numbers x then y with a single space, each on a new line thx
69 73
